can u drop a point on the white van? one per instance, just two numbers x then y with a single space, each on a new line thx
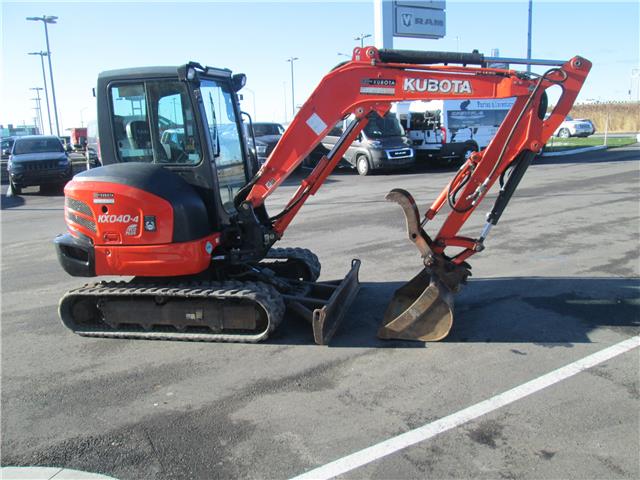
381 145
448 131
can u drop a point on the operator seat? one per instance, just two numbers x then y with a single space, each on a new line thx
139 134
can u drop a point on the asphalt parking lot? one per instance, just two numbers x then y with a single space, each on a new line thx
558 282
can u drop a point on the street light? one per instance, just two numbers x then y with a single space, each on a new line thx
253 98
46 92
46 19
81 117
293 102
635 76
38 108
361 37
284 99
36 119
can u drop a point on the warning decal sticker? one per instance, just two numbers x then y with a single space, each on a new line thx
378 86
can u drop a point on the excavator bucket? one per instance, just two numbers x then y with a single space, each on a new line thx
422 310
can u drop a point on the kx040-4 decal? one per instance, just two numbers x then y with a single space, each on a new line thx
118 218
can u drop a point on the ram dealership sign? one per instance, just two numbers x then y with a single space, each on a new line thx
420 19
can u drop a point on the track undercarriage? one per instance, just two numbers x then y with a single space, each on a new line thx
246 308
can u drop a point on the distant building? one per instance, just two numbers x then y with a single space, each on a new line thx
18 131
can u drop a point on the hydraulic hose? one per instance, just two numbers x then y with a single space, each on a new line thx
451 196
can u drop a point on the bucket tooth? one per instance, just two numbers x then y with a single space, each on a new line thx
421 310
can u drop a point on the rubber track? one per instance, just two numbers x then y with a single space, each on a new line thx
303 254
261 294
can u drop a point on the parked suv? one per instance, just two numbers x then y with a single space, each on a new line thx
579 127
38 160
382 144
267 135
6 144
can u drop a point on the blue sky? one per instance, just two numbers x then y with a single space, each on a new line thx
256 38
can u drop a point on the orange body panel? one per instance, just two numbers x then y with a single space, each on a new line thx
168 260
112 215
119 222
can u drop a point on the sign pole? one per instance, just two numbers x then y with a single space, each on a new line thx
383 19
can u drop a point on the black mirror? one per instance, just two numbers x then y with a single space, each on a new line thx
239 80
68 149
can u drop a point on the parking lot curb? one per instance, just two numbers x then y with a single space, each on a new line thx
48 473
574 151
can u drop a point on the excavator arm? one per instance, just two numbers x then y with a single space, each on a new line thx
370 82
373 79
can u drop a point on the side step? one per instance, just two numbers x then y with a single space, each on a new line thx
326 303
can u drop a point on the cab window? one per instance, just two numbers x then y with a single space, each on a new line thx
226 141
153 122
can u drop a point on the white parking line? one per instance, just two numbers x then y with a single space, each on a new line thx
461 417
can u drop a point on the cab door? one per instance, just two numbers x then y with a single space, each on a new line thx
225 136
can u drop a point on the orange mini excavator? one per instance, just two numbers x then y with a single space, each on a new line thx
179 207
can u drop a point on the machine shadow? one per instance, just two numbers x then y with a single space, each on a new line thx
554 312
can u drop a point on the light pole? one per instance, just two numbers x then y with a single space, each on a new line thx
46 19
46 92
36 119
635 76
37 99
81 117
284 99
361 37
175 113
293 102
253 98
529 36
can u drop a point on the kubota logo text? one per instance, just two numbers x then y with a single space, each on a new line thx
436 86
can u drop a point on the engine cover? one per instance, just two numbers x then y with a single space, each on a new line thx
137 219
135 204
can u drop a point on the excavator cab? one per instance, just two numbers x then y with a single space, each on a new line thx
186 120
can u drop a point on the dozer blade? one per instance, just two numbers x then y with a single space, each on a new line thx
422 310
326 303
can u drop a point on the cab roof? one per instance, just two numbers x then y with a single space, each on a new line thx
138 72
160 72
